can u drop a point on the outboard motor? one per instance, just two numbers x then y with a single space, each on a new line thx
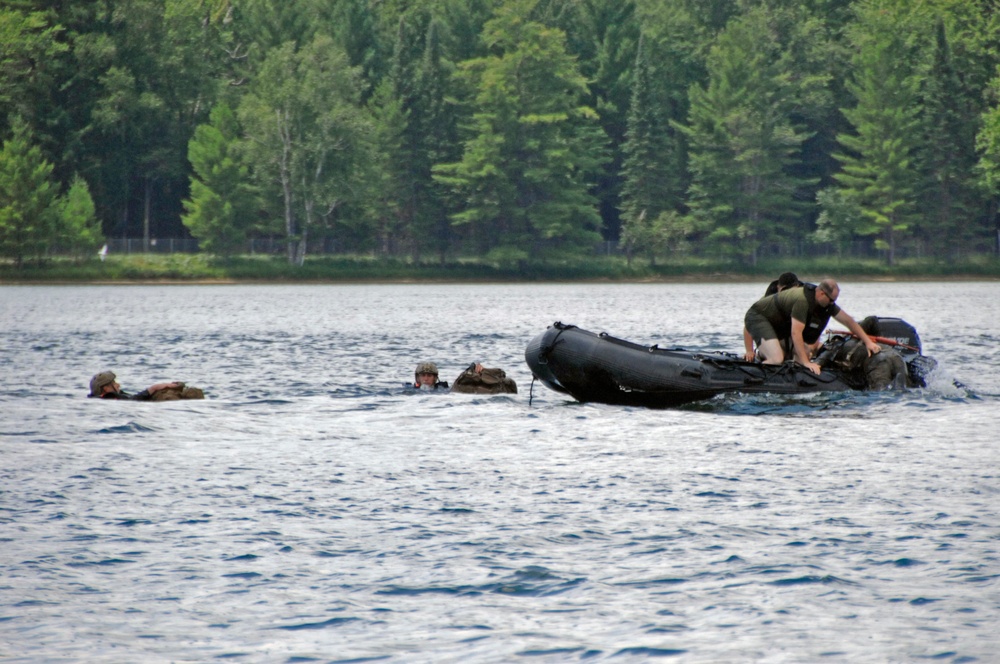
894 329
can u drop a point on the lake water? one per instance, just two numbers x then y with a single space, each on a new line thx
310 510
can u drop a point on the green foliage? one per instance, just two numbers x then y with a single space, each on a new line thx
988 143
29 43
839 218
80 231
434 140
28 216
415 127
603 35
307 134
652 167
391 184
743 140
357 130
532 147
684 268
222 204
879 157
949 199
670 233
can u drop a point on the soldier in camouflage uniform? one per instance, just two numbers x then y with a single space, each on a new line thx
426 377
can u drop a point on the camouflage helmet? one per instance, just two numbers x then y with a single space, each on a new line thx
98 382
426 367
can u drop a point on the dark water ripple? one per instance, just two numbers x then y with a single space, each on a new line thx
311 510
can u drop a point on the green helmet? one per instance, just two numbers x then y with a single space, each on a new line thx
98 382
426 367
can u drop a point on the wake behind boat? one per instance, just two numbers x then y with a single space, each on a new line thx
601 368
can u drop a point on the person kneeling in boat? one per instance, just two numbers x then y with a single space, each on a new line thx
105 386
798 315
785 280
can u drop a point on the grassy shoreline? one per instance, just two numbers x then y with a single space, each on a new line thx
205 269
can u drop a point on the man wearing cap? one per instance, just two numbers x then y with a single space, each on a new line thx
426 377
104 386
784 280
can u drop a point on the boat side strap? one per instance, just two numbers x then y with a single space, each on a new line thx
808 380
717 363
758 375
543 352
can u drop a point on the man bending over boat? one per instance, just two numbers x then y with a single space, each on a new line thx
798 315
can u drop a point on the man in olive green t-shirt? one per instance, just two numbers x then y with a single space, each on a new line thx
800 315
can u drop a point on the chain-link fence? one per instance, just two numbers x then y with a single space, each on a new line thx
328 246
265 246
156 246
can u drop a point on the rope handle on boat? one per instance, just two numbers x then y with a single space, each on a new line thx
882 340
544 351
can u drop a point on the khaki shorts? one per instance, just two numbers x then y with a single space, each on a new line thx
759 327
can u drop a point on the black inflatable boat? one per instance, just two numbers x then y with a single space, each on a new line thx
601 368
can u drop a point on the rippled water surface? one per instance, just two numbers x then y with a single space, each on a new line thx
311 510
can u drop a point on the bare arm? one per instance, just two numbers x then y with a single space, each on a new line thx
845 319
748 345
800 349
153 389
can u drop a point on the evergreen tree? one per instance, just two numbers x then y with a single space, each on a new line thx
743 141
264 25
390 190
533 147
436 123
815 64
683 32
949 201
988 166
403 158
603 35
220 211
879 156
652 179
80 230
354 26
27 197
31 47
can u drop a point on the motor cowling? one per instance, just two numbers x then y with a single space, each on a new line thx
896 330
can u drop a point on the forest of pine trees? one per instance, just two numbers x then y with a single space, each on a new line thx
506 129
